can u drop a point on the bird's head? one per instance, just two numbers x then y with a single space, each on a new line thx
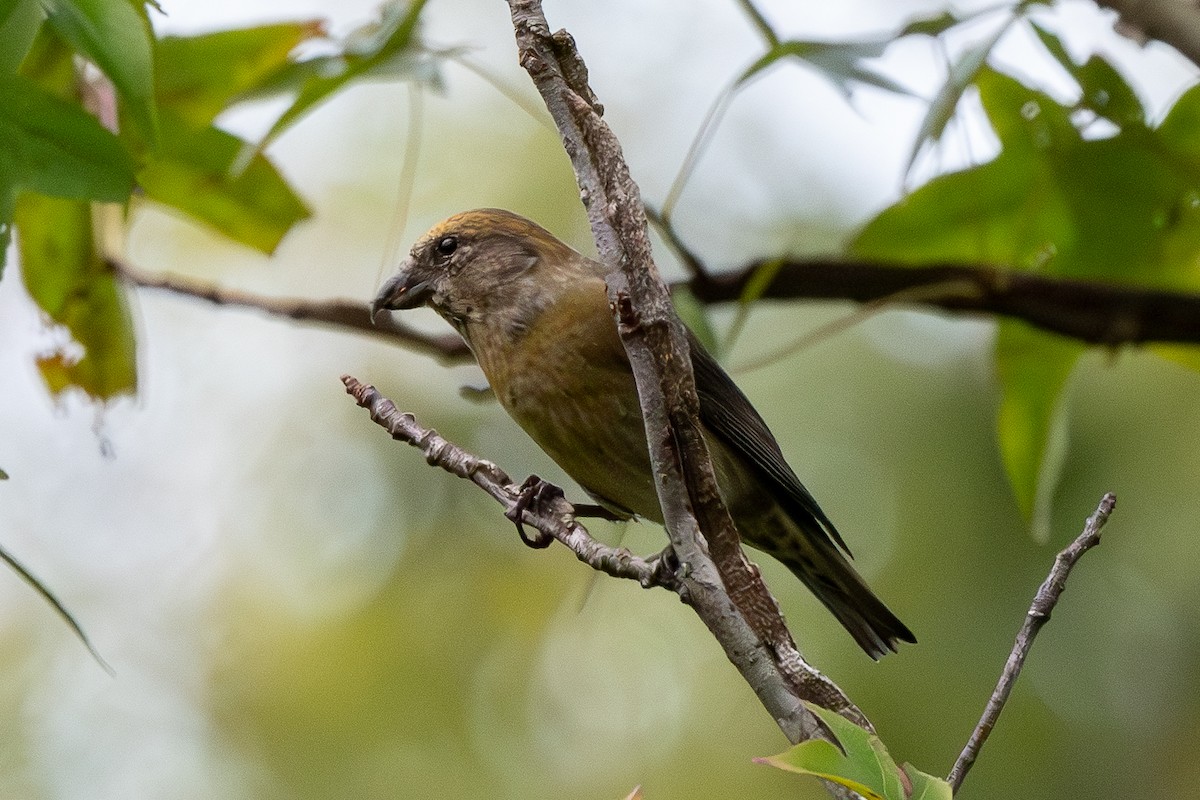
480 264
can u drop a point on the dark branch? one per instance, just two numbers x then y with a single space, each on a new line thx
554 517
1044 602
1096 313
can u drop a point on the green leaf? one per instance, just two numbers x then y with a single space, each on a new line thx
1120 209
388 46
1109 95
1033 368
193 172
19 24
1055 48
932 25
69 280
838 62
862 765
1103 90
50 63
1180 129
117 38
200 76
54 147
927 787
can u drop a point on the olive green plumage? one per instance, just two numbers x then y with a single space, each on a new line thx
535 314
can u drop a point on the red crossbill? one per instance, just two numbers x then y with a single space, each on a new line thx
535 314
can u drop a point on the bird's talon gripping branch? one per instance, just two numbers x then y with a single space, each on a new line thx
625 311
534 492
667 563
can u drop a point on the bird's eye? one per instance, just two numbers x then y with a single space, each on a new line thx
447 245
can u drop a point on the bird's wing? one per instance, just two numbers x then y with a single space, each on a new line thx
727 413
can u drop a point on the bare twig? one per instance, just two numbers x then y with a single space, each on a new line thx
1044 602
344 314
553 516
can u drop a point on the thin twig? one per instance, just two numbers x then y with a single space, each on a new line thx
691 261
348 315
1044 602
553 516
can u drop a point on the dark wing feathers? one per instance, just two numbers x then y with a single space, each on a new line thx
726 412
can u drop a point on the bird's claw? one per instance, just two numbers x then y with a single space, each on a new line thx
534 493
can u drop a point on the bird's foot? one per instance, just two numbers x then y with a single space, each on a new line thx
534 493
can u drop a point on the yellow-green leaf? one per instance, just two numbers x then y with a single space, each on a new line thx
1033 368
927 787
199 76
193 172
862 765
70 282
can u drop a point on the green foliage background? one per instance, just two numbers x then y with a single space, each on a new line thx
296 607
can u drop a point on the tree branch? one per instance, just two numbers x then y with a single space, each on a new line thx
745 619
349 315
1096 313
1044 602
554 516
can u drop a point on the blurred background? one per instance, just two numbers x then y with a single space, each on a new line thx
296 607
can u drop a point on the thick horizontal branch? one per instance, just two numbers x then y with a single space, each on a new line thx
553 515
1038 615
1096 313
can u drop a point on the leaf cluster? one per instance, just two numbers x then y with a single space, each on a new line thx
99 109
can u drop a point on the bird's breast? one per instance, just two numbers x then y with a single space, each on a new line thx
566 381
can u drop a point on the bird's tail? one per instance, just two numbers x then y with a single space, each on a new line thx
828 575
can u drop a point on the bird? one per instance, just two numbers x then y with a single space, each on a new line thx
535 314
